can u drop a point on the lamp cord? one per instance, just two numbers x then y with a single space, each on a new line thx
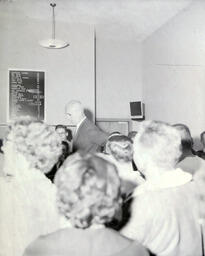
53 5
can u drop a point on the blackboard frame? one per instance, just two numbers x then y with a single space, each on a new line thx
100 122
9 104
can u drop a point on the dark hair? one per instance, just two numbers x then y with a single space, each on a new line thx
113 134
202 135
132 134
119 137
68 131
60 126
187 141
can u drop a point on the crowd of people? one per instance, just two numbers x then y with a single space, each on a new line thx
98 194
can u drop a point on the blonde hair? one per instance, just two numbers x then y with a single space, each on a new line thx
157 143
36 141
88 190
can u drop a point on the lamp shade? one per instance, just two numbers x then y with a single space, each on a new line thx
53 43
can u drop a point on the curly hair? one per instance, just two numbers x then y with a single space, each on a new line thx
157 143
37 142
88 190
120 147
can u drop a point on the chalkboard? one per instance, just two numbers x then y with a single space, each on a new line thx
26 94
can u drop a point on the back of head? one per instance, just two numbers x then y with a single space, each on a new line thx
88 190
157 144
35 141
60 126
186 139
120 147
113 134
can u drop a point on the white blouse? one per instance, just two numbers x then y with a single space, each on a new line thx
27 207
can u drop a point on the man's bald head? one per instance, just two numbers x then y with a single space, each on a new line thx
75 105
74 111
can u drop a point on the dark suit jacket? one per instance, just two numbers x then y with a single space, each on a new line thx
89 138
65 153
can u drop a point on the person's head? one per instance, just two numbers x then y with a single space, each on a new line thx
202 137
113 134
186 139
156 147
132 135
88 190
33 141
62 131
120 147
74 110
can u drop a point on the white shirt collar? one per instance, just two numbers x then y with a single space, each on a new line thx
169 179
79 124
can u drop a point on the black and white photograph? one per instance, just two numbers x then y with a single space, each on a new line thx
102 127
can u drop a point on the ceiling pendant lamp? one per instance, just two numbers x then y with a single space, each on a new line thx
53 43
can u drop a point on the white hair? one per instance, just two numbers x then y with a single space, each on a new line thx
157 144
75 105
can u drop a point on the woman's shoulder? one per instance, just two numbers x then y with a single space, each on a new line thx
121 245
114 240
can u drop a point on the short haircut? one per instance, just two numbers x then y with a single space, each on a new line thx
132 134
67 130
186 138
88 190
157 143
113 134
120 147
58 126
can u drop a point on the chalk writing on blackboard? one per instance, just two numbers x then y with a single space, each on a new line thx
26 94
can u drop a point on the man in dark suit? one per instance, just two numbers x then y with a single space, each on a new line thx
87 137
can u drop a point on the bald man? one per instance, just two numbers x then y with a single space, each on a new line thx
87 137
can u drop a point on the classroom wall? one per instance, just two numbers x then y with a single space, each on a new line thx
174 70
118 76
166 71
69 72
